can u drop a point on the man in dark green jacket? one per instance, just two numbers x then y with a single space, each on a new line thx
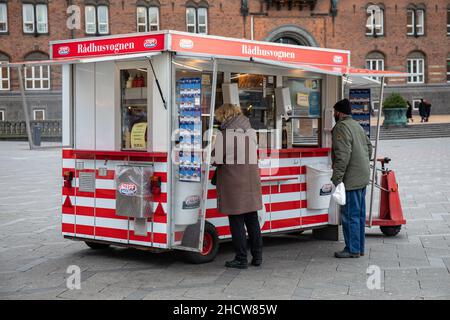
351 153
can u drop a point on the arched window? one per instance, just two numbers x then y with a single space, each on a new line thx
291 34
37 77
416 67
96 17
197 17
4 72
147 15
288 40
375 61
35 16
375 20
415 23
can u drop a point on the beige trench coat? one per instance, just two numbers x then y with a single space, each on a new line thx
238 180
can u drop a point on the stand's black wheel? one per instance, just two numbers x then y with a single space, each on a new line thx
210 244
97 245
390 231
296 233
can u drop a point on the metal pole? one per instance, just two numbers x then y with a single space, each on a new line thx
25 108
375 155
208 152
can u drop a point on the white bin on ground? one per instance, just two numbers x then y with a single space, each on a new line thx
318 186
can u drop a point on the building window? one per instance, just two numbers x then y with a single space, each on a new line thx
197 20
96 19
35 18
38 114
3 17
4 78
375 21
2 115
141 18
191 20
416 22
375 64
375 61
448 22
28 18
147 19
202 14
4 73
448 70
416 69
153 18
37 78
415 104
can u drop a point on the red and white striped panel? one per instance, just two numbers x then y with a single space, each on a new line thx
284 195
93 215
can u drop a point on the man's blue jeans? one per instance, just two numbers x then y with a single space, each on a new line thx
354 220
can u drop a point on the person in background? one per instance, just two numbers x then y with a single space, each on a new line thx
351 154
409 112
422 111
238 183
427 110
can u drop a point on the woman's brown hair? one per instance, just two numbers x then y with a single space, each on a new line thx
227 112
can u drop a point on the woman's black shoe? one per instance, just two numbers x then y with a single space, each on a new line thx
236 264
256 262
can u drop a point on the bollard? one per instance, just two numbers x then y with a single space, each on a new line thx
37 136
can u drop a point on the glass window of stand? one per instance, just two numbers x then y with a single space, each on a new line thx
133 85
257 100
191 115
306 98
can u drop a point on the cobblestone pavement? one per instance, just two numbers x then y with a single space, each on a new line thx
414 265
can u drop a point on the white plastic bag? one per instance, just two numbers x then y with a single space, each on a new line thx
339 194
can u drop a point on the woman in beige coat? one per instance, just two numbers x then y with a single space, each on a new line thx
238 183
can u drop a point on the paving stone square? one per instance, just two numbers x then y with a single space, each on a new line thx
34 257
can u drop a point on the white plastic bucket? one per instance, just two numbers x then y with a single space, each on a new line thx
187 202
318 187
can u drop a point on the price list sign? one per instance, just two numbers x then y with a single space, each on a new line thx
360 103
190 126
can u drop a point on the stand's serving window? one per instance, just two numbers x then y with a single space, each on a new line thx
257 101
306 110
256 97
133 103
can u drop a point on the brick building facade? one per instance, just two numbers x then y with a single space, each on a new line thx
391 35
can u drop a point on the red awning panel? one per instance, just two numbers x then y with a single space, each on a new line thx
62 61
353 72
335 70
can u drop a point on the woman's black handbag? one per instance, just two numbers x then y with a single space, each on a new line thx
214 178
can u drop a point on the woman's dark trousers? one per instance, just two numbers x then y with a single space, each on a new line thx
239 239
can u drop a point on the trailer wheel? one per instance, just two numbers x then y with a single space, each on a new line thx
390 231
210 246
296 233
97 245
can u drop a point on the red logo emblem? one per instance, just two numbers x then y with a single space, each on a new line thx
127 189
63 50
150 43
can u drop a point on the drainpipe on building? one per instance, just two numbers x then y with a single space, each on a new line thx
244 12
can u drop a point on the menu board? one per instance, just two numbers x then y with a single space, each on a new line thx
190 129
360 103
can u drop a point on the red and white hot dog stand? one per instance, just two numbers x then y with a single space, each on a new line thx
138 116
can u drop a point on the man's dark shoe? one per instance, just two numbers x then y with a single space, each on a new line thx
361 254
345 254
256 262
236 264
